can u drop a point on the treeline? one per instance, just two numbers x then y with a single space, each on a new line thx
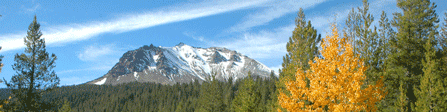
399 65
248 94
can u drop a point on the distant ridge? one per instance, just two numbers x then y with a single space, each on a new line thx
181 64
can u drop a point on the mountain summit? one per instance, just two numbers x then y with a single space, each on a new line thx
181 63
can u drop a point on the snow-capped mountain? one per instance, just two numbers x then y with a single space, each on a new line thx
181 63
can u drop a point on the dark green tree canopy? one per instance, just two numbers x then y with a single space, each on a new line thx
34 70
416 26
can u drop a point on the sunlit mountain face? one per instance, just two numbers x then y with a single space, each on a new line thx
181 63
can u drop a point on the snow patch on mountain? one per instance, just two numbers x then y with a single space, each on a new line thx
156 57
225 55
101 82
263 67
152 67
135 74
181 63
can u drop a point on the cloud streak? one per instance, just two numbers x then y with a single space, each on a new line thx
198 38
33 8
85 69
261 45
93 52
272 44
275 10
323 22
78 32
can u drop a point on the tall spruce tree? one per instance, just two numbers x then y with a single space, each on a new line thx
443 45
415 24
371 43
353 23
65 107
210 99
365 41
385 32
431 91
247 98
301 48
34 71
444 33
443 37
368 43
401 102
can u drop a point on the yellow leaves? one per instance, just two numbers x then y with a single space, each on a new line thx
6 102
335 82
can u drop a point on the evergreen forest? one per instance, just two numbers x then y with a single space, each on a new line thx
398 64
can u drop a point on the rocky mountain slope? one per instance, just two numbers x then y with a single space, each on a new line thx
181 63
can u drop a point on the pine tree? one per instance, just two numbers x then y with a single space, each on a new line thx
443 38
65 107
365 41
334 82
443 42
414 25
247 98
34 71
385 32
369 44
210 99
353 23
401 103
431 91
301 48
228 94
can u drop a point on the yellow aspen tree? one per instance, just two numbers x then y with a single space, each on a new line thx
335 82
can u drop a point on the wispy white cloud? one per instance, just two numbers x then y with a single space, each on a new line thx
272 44
71 80
274 10
323 23
78 32
31 9
93 52
197 38
339 15
75 80
100 68
261 45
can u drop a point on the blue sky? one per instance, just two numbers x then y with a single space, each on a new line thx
90 36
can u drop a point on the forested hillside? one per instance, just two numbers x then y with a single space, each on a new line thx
140 97
397 63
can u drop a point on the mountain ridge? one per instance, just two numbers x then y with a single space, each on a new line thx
181 63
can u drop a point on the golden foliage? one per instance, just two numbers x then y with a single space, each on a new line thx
333 83
6 102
